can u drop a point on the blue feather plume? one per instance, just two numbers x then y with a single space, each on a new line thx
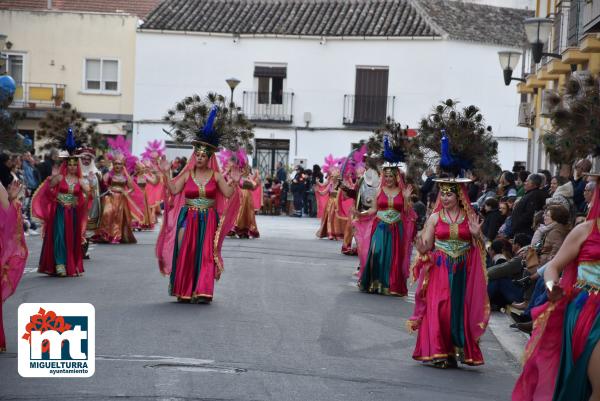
207 133
450 162
70 144
391 154
446 159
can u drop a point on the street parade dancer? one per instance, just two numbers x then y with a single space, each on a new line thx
147 182
245 223
94 177
153 153
123 200
353 165
61 203
366 195
331 225
451 302
392 230
562 358
200 209
13 249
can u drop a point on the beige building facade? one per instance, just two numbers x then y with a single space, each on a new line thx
84 58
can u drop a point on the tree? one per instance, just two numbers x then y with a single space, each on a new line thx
399 139
575 117
54 125
472 144
189 115
10 139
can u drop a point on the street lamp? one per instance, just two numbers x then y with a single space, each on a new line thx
508 61
232 82
538 33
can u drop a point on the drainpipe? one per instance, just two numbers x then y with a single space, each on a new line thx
295 142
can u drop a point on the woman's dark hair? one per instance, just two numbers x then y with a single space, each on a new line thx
559 213
523 175
492 202
522 240
510 178
497 246
491 185
5 176
546 174
538 218
560 180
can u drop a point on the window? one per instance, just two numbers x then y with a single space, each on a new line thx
13 66
102 75
270 84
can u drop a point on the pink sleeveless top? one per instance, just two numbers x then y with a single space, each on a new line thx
385 202
194 191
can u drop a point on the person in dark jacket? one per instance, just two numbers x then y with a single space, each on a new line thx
501 288
298 189
45 167
281 175
492 220
427 185
533 201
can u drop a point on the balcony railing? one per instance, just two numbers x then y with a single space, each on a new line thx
368 110
268 106
33 94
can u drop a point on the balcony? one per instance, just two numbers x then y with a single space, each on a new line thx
268 106
364 110
32 95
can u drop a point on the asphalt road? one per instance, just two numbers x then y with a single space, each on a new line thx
287 323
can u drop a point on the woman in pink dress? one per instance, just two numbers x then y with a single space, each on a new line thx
200 209
451 303
562 358
61 203
387 264
13 249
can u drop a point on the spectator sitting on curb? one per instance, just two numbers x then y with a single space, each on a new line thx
501 288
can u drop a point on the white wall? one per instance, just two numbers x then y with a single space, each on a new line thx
523 4
421 73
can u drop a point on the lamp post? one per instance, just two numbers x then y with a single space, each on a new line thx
232 82
538 33
508 61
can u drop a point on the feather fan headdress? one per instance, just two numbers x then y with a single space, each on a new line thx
154 150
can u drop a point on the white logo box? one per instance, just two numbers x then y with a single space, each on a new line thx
32 362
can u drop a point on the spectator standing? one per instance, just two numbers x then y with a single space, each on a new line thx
579 182
520 182
508 187
298 188
427 185
493 218
45 168
547 180
281 175
533 200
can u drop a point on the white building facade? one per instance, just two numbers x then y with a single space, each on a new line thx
312 95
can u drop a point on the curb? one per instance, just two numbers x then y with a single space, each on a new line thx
512 340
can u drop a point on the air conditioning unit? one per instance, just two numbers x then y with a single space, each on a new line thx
547 106
526 115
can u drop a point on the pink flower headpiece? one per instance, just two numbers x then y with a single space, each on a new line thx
119 150
154 150
238 157
332 166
